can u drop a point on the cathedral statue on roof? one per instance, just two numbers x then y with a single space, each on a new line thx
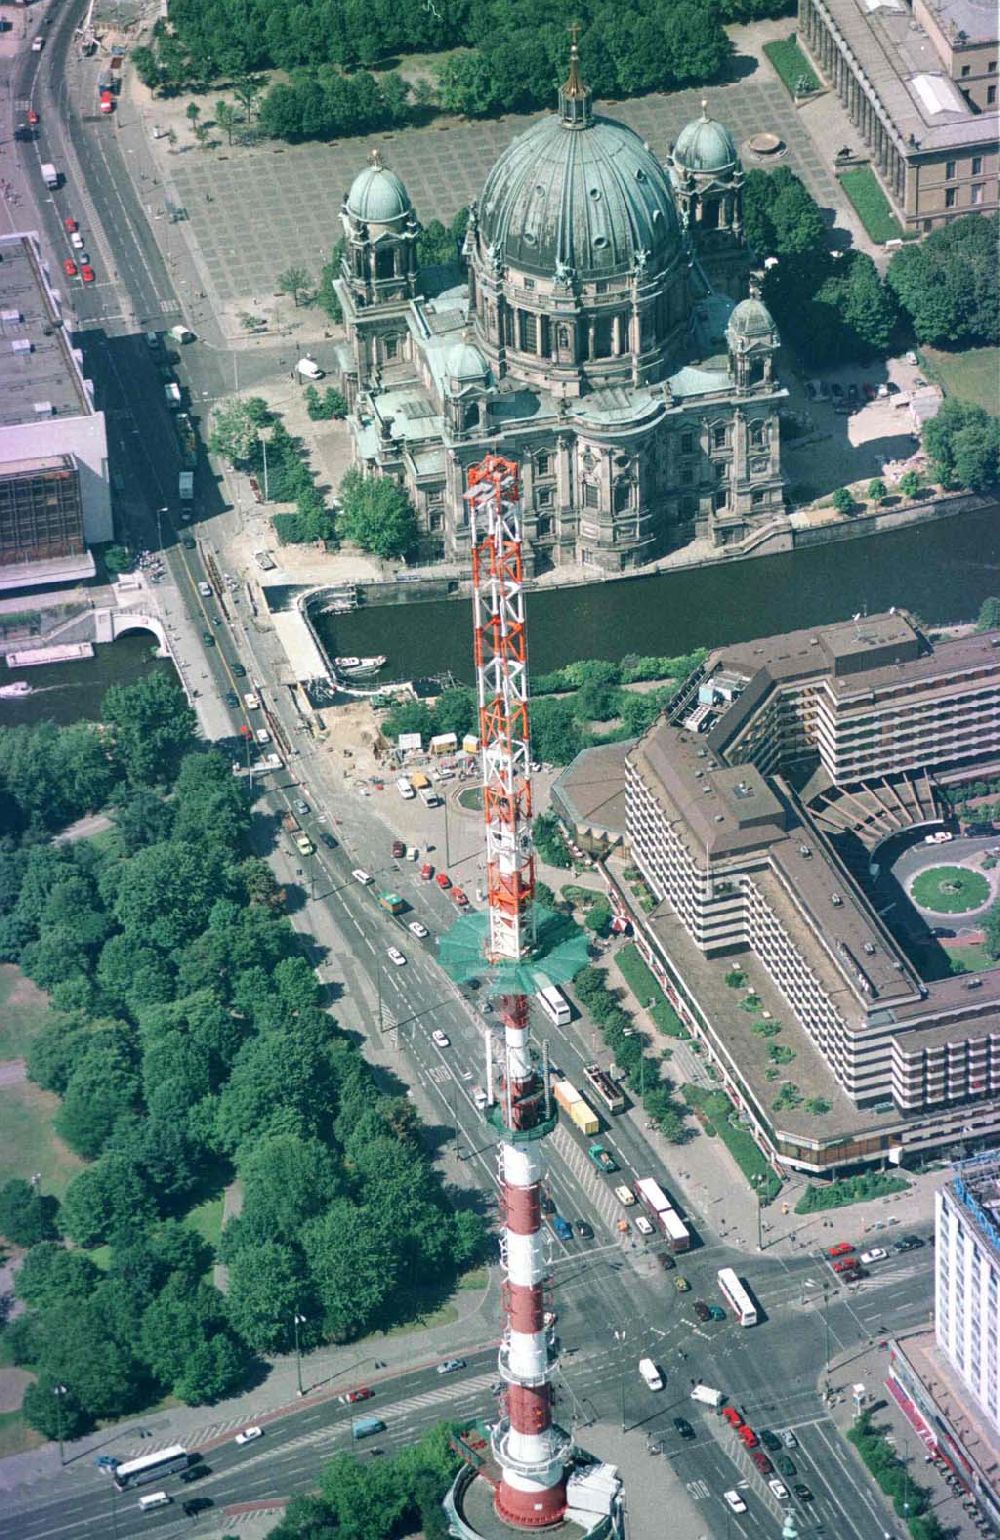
605 338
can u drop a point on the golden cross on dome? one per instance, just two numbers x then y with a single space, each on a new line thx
376 158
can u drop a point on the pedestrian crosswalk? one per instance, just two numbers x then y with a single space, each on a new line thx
699 1490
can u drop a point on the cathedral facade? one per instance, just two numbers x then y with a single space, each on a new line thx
604 339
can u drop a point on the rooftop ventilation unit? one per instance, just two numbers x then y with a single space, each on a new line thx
836 900
43 409
805 851
21 345
870 948
11 317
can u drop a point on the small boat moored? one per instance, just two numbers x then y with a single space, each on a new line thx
359 665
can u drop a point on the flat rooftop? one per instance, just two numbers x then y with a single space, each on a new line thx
952 1398
39 374
975 20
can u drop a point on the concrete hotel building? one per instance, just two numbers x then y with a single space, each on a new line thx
947 1382
753 811
54 495
920 86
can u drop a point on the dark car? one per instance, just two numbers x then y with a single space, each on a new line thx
666 1261
548 1207
784 1464
761 1461
802 1492
231 699
769 1439
189 545
238 668
683 1427
196 1472
561 1227
583 1229
208 638
328 840
196 1505
911 1242
702 1311
473 984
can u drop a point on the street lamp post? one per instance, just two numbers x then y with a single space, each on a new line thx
620 1338
264 435
59 1391
760 1222
297 1321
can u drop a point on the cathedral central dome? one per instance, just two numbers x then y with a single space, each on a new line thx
579 192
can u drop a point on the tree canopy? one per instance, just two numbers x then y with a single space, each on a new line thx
964 442
376 514
948 283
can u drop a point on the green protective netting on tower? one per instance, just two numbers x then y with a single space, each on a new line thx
560 952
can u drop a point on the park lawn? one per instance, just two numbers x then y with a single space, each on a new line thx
206 1218
16 1436
871 204
975 958
797 74
644 987
949 890
28 1142
24 1010
969 376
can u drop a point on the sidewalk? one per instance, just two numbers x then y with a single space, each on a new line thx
869 1368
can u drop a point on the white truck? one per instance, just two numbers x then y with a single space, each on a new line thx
707 1396
405 789
50 175
173 395
185 486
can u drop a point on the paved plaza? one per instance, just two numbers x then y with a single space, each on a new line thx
253 212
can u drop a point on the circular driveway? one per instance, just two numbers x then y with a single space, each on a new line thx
951 889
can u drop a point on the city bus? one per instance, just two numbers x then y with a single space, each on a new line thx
151 1467
555 1005
736 1297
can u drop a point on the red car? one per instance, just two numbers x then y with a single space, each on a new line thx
70 225
33 118
443 880
87 273
69 268
459 898
361 1394
761 1461
426 872
748 1436
845 1265
842 1249
732 1416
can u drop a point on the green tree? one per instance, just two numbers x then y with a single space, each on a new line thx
247 89
991 932
166 892
53 1410
227 118
50 1275
80 1351
235 431
909 484
103 1087
376 514
151 725
193 112
267 1288
989 615
105 1199
842 500
964 442
782 218
27 1216
948 283
549 841
877 490
296 282
353 1267
142 817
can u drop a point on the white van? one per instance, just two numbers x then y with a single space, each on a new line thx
650 1374
479 1098
154 1500
405 789
182 334
309 369
707 1396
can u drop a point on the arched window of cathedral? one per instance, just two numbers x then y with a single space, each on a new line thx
622 494
758 433
529 332
470 418
755 373
719 436
710 214
562 335
384 266
603 330
545 331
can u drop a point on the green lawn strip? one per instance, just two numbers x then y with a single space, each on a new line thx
871 204
910 1500
207 1220
28 1143
971 375
24 1010
950 890
16 1436
475 1278
850 1189
718 1109
797 74
644 987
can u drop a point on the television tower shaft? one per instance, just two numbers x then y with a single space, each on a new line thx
530 1449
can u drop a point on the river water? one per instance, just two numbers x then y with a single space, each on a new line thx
941 571
73 692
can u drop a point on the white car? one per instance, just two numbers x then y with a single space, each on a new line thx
251 701
361 876
643 1225
420 931
205 589
440 1038
877 1254
248 1435
625 1196
778 1488
395 956
262 735
735 1501
788 1439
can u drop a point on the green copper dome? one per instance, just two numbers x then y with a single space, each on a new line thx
705 146
377 196
579 194
750 322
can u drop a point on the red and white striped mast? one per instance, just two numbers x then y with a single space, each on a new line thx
531 1450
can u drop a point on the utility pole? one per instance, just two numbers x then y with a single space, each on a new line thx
297 1321
760 1223
378 986
447 842
620 1338
59 1391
